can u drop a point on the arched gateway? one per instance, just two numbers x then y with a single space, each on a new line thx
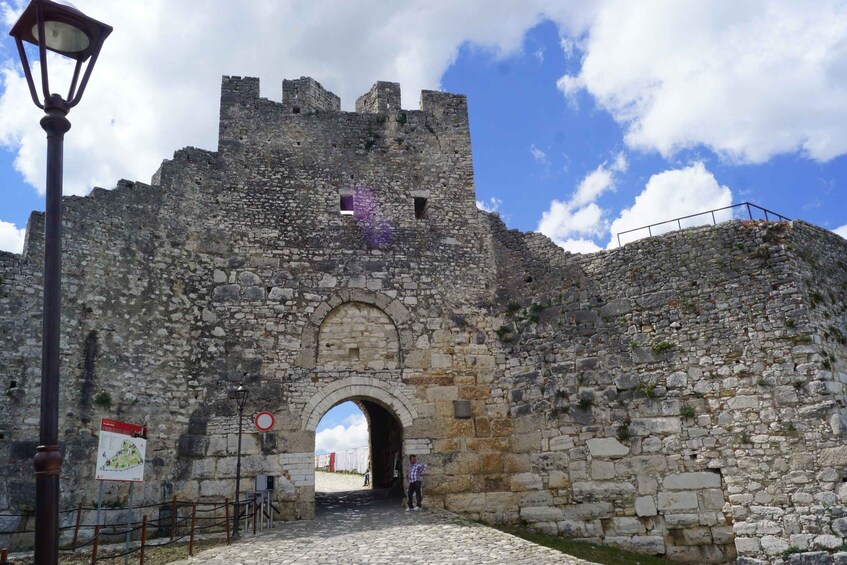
358 357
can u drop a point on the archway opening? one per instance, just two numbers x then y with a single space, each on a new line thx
354 437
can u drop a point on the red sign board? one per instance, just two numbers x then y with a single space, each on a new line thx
124 428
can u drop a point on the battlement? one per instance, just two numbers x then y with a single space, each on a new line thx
306 95
382 97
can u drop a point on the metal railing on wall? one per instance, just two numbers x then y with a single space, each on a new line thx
760 213
179 521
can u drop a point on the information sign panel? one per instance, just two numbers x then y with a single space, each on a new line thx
120 453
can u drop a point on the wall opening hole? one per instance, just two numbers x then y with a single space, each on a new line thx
353 353
347 204
528 279
298 144
295 110
13 385
420 207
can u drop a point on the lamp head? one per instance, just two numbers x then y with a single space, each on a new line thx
240 395
55 25
67 31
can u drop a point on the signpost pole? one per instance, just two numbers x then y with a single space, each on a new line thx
99 501
128 525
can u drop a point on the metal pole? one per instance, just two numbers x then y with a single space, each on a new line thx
99 501
143 538
76 527
749 213
235 534
128 524
226 519
48 457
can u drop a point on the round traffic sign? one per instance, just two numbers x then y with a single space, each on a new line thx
264 421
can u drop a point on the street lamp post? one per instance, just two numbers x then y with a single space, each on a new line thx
240 396
62 29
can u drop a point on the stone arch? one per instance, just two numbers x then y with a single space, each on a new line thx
393 308
352 388
356 336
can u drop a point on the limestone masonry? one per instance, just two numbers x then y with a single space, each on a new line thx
683 395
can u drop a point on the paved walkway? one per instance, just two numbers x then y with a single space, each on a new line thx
365 527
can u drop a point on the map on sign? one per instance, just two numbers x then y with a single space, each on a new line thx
120 454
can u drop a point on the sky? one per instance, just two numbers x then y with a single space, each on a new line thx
587 118
342 427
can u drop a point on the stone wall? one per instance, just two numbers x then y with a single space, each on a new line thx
682 395
680 384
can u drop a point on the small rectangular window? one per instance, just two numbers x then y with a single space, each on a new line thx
420 207
347 204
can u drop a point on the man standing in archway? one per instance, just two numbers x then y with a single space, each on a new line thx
415 471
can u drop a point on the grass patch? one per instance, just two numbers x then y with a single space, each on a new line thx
588 551
103 399
660 347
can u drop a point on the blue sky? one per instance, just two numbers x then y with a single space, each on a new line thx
587 118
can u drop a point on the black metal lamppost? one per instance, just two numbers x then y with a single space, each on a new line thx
240 396
62 29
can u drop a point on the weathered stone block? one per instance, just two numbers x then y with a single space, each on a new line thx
623 526
640 465
672 501
645 506
541 514
833 456
692 481
602 490
606 447
811 558
601 470
658 426
526 481
471 502
588 511
557 479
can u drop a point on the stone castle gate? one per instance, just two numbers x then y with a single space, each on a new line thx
683 395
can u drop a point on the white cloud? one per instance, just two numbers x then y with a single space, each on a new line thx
537 154
568 223
493 204
673 194
842 231
539 55
11 237
353 433
750 80
155 87
579 245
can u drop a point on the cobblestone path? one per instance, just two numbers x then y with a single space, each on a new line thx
365 527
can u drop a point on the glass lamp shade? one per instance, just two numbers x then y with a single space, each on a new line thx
62 37
67 31
239 395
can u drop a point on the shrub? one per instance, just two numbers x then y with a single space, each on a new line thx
103 399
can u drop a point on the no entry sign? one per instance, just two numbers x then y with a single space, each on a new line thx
264 421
